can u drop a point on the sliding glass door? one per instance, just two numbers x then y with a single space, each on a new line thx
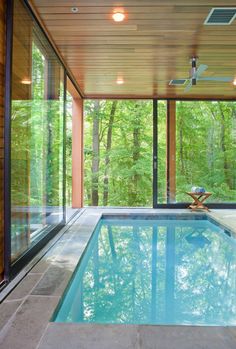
37 124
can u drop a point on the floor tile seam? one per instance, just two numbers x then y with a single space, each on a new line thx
139 344
58 257
41 254
34 273
44 296
81 223
71 253
60 254
42 336
6 301
230 334
82 215
76 233
8 323
61 233
29 271
57 238
73 232
10 320
221 221
42 276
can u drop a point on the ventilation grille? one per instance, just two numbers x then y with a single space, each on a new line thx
177 82
221 16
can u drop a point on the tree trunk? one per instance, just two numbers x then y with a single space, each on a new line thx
233 164
95 155
181 151
223 148
107 157
133 194
211 146
49 160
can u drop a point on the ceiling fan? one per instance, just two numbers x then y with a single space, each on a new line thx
196 75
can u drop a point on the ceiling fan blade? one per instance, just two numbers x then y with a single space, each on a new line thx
215 78
188 87
200 70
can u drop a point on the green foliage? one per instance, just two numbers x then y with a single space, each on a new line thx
205 151
206 133
36 155
130 166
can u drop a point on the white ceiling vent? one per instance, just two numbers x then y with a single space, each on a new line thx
221 16
177 82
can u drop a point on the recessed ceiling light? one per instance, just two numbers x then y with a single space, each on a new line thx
118 16
120 81
234 82
74 9
26 82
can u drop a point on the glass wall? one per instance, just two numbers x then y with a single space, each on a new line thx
118 153
162 152
196 146
71 94
206 149
37 135
68 193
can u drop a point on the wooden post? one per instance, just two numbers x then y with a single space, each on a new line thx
77 153
22 53
2 84
171 151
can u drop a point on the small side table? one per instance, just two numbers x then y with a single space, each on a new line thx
198 199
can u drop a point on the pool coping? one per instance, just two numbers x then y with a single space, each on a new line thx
48 283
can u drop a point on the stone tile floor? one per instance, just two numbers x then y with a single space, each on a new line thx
26 312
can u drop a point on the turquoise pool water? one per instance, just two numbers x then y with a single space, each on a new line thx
139 271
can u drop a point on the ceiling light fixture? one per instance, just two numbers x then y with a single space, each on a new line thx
74 9
120 81
234 82
26 82
118 16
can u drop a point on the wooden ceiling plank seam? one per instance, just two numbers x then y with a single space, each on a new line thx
157 40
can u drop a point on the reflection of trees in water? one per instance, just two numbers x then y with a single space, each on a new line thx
156 274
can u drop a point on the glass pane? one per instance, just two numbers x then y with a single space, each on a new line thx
36 135
118 153
70 96
206 148
68 155
161 150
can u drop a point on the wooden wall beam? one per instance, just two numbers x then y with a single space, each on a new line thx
77 153
22 53
171 151
2 91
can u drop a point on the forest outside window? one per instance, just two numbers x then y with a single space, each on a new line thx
118 153
206 148
196 146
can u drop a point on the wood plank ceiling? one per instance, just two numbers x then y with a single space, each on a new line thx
153 45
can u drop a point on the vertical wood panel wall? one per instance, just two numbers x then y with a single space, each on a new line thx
2 65
77 153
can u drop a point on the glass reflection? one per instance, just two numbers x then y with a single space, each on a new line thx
36 134
155 272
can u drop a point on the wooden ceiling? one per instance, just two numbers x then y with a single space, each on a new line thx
153 45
